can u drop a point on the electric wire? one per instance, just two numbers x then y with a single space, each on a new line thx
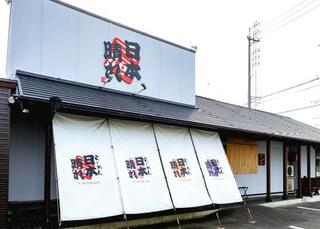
298 109
261 99
290 21
273 27
308 88
291 15
294 19
290 88
292 8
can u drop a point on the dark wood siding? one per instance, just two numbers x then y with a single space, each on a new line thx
4 154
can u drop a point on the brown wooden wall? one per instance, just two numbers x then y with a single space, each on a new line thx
242 156
4 154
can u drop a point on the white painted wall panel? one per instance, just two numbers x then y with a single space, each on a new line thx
24 36
256 183
187 83
59 38
52 39
170 81
304 171
90 65
276 166
313 162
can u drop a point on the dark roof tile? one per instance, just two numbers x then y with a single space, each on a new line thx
208 112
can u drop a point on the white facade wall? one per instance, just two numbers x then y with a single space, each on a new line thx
51 39
276 166
304 161
256 183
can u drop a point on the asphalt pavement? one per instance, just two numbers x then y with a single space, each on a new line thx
301 216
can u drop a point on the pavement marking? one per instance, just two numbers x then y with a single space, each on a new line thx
311 209
294 227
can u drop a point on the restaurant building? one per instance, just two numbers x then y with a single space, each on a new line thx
100 123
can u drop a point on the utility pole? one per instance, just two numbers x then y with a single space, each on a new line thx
251 40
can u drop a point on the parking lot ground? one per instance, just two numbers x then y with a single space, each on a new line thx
301 216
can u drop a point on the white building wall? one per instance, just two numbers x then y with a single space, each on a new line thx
256 183
51 39
313 162
304 171
276 166
303 161
26 159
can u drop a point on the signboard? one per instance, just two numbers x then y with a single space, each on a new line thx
261 159
181 167
142 181
121 60
111 167
87 179
216 169
52 39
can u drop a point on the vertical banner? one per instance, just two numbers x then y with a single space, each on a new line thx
142 180
215 166
87 181
181 167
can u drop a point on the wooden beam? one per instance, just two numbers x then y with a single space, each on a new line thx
285 178
268 171
10 84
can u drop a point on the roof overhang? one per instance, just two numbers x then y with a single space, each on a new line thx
209 114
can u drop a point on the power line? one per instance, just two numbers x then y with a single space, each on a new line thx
308 88
289 88
292 20
261 99
298 109
292 8
286 12
294 13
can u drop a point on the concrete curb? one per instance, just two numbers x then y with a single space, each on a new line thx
283 203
